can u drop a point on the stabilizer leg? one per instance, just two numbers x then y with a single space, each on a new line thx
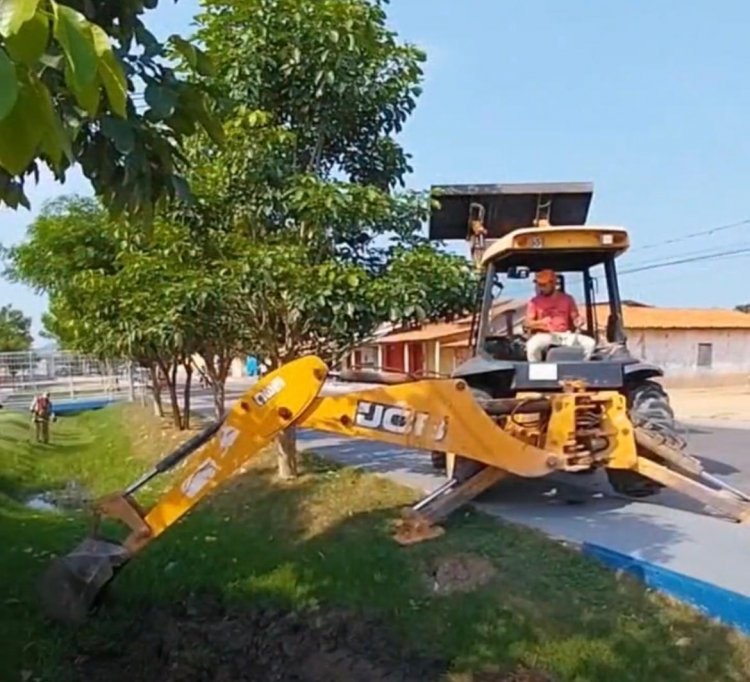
731 505
681 472
419 523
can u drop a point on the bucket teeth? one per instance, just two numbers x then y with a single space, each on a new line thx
71 584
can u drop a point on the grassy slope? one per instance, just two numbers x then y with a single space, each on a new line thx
325 539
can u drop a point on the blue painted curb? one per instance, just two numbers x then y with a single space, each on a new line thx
731 608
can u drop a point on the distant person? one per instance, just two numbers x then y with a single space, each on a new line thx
251 366
552 317
41 412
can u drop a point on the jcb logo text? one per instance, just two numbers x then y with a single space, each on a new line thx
398 420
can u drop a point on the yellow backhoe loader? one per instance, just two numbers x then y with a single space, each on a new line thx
498 415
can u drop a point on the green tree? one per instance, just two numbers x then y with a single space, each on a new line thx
310 180
69 75
15 330
118 292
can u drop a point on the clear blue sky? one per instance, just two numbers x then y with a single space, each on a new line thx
649 100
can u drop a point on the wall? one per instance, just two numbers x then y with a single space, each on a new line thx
676 350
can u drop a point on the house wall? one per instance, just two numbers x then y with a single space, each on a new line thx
677 350
438 358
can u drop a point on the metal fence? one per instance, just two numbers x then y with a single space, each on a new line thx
66 375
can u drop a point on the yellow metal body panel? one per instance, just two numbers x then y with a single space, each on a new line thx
605 239
273 404
436 414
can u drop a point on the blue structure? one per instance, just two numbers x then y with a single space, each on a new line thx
251 366
71 407
729 607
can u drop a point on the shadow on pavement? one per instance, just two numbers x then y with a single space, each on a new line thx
576 507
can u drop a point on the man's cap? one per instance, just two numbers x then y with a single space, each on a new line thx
545 277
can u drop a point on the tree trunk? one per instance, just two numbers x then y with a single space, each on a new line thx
287 442
219 390
217 370
186 395
287 454
156 391
172 386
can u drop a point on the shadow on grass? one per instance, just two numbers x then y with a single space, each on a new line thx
29 540
324 541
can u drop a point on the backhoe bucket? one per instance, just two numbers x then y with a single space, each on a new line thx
69 587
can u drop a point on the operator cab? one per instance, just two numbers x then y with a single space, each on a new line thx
515 231
582 268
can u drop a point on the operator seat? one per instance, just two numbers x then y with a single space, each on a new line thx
563 354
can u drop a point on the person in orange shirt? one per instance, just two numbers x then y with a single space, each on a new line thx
552 317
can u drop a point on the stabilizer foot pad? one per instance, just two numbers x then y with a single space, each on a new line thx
414 529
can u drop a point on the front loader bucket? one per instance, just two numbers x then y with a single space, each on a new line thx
507 207
69 587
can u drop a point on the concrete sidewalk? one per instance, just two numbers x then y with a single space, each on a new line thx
692 556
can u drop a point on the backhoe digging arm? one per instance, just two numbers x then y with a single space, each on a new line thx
430 414
570 431
72 583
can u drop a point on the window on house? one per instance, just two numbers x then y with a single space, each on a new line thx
705 354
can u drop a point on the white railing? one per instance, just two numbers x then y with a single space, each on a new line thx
66 375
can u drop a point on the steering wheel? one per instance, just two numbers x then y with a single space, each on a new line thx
506 346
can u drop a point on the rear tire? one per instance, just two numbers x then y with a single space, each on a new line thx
649 408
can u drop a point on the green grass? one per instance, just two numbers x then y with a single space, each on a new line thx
325 540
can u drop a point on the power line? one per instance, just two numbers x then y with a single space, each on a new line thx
659 278
641 262
681 261
692 235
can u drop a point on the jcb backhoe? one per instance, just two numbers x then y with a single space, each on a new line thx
497 415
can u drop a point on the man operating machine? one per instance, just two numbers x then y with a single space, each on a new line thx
552 318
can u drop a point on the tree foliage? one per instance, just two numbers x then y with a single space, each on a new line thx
313 95
160 298
15 330
301 237
311 179
69 72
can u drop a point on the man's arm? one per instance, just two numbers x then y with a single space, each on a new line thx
575 316
533 323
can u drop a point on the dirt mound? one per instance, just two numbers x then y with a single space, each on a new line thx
206 642
460 573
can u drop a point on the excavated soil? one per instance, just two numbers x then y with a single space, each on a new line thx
206 642
460 573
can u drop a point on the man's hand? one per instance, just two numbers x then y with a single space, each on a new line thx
537 325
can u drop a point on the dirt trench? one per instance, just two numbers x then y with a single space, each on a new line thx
202 642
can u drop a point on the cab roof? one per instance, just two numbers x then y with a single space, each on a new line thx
563 247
